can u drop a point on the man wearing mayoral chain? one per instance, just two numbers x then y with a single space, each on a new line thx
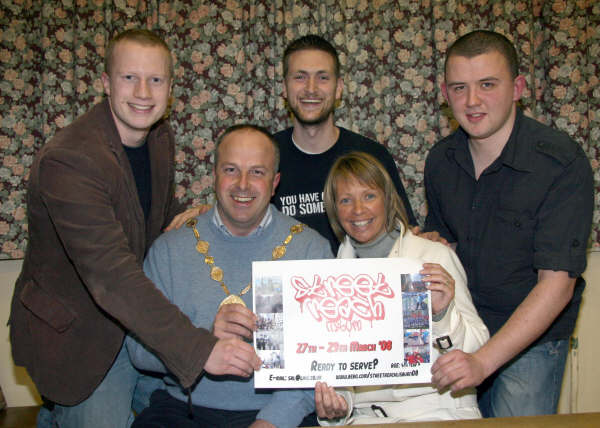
205 268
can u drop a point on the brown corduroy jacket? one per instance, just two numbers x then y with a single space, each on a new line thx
82 285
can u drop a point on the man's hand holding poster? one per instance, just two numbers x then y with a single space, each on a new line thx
346 322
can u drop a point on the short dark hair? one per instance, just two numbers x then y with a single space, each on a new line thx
310 42
252 127
483 41
138 35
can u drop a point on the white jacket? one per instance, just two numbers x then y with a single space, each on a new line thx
461 322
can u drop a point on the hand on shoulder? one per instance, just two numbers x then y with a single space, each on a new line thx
431 236
181 218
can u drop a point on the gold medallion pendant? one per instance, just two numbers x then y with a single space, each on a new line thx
232 299
278 252
202 247
217 274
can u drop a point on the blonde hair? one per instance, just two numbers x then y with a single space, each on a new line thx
140 36
369 171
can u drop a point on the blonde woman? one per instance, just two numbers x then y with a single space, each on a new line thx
368 218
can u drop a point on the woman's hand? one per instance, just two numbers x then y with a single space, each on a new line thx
441 285
328 403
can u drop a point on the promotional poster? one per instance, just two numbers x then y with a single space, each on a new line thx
347 322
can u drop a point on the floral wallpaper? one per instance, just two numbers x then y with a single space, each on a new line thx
228 70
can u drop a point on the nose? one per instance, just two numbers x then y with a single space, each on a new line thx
311 84
473 97
142 89
357 206
243 181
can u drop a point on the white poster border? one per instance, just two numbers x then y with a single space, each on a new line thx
347 322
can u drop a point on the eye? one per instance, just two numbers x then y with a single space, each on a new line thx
324 77
129 77
343 201
488 85
257 172
157 80
370 196
458 88
228 169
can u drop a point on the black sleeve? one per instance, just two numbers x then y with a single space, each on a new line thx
388 162
560 242
412 220
434 220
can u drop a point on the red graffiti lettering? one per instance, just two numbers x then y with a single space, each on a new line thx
338 301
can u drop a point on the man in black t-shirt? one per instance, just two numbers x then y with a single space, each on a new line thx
312 87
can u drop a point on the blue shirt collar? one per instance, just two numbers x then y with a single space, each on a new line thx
217 221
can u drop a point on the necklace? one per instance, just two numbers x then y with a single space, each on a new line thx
216 273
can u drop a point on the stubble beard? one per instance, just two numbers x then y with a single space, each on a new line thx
323 117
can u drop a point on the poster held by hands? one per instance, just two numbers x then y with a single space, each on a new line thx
347 322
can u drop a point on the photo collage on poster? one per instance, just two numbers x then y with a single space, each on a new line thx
415 309
269 309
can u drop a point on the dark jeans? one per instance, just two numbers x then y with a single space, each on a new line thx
528 385
167 411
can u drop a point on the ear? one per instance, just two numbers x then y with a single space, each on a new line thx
214 174
284 92
339 88
444 89
106 83
276 179
519 86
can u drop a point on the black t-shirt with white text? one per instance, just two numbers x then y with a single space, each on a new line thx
303 175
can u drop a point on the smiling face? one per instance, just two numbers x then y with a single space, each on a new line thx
138 88
245 179
360 209
311 86
482 95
